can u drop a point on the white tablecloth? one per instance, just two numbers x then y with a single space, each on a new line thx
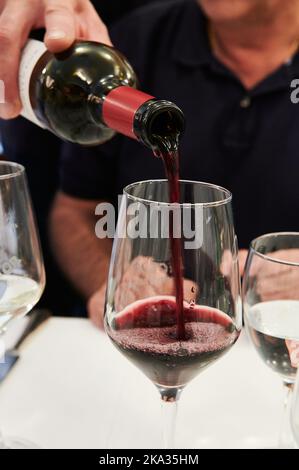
72 389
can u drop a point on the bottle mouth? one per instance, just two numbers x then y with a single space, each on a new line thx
163 124
166 122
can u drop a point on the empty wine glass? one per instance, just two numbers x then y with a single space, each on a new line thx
22 275
271 307
170 345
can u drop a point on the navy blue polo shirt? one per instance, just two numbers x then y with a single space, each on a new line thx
246 141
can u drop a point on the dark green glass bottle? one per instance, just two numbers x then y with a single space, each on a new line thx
88 93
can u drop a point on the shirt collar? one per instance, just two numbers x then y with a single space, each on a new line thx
192 48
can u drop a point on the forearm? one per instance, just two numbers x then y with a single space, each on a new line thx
81 256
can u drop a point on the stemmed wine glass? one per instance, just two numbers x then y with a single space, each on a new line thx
22 275
271 307
170 345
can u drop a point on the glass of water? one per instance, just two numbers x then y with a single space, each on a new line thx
271 307
22 274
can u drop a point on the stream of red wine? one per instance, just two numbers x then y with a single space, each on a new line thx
167 149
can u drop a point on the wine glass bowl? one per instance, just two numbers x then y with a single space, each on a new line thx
271 309
271 300
22 275
141 315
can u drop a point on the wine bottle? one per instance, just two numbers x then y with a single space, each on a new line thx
88 93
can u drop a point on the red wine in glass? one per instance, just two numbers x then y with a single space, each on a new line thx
145 332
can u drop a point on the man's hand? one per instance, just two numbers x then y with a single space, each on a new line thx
293 348
143 278
242 261
95 307
277 281
227 262
64 20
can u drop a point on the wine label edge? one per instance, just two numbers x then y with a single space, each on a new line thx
31 54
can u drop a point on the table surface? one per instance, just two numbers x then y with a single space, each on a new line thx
72 389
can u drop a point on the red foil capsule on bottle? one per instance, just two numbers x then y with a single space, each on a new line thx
120 107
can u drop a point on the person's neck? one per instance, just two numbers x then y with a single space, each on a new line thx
254 50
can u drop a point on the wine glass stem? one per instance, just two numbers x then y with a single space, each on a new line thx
169 407
169 413
285 436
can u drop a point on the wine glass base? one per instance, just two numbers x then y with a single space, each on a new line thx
15 443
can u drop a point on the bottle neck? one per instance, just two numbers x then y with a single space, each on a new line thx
120 107
159 124
140 116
